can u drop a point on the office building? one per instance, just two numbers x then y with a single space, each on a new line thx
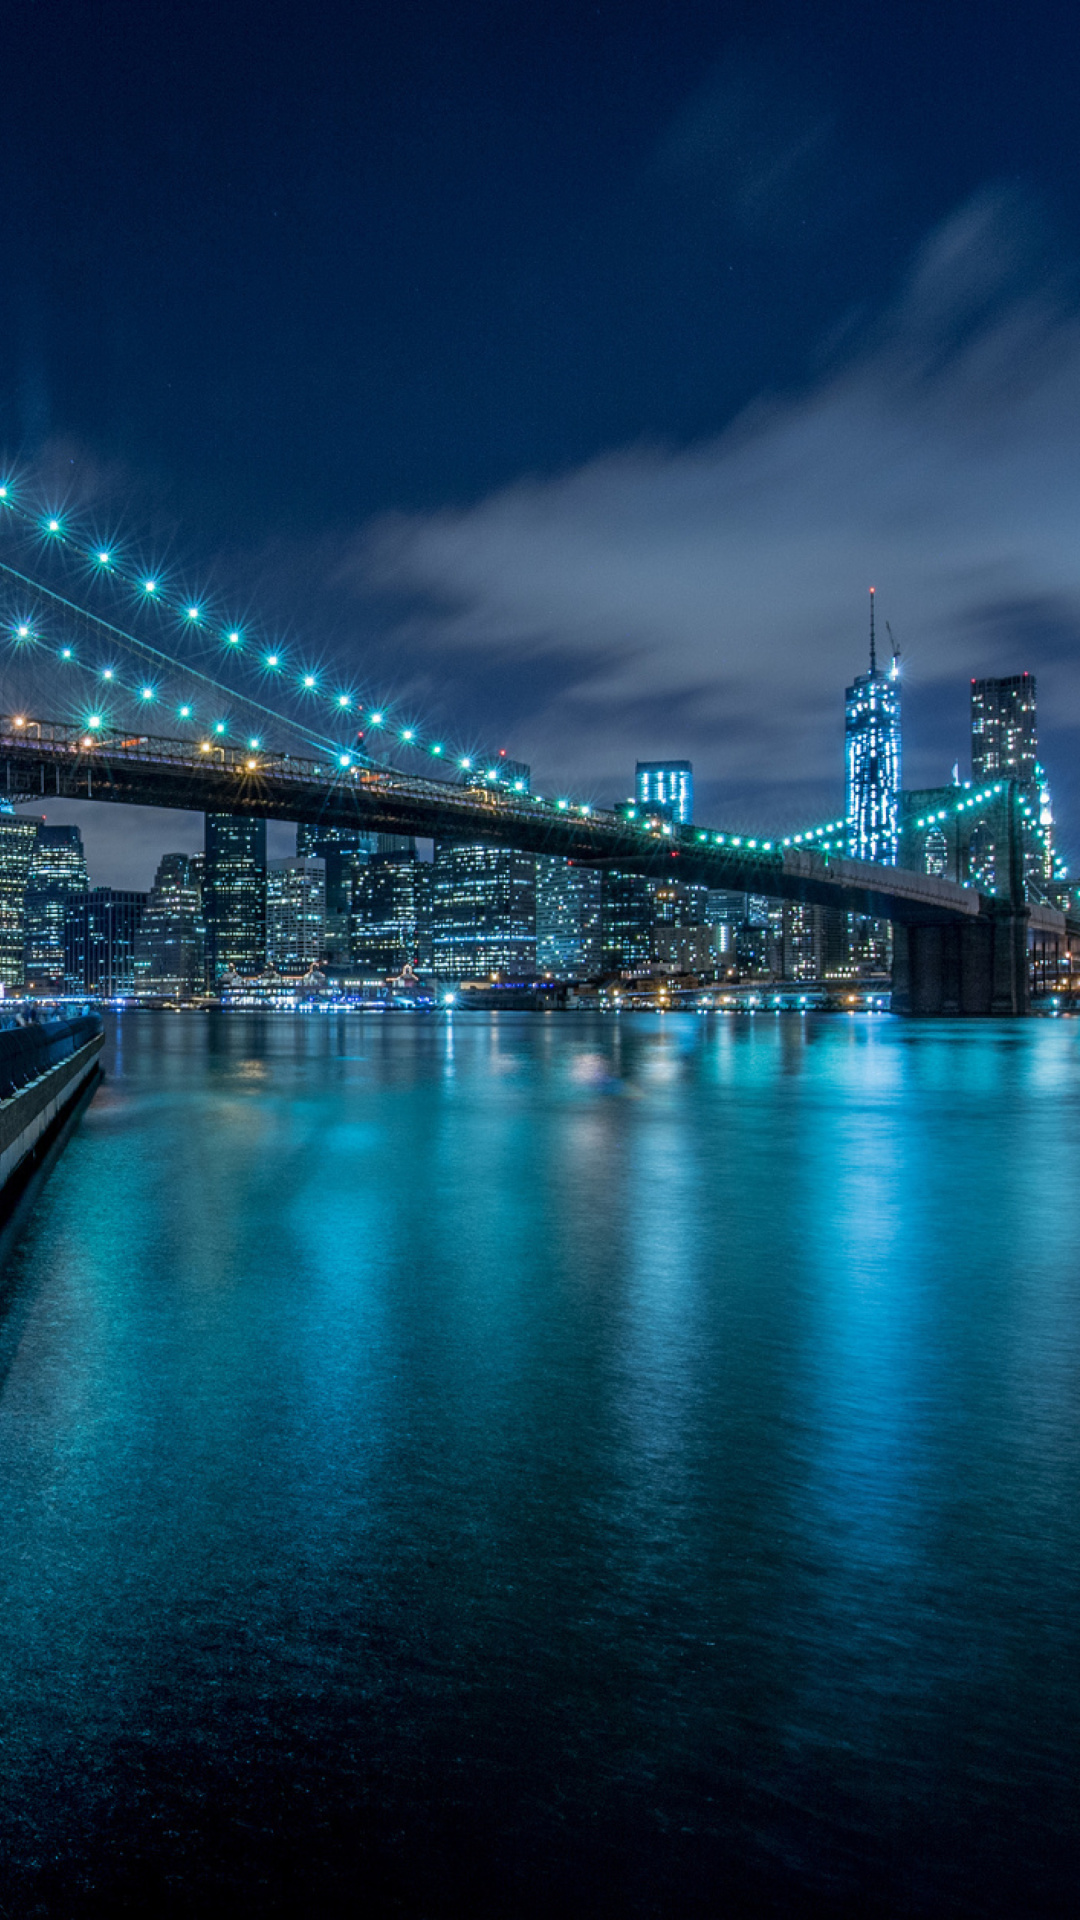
483 913
170 946
17 841
391 916
1004 739
100 936
680 903
345 852
872 739
234 895
685 949
626 922
567 919
1005 746
667 787
57 879
295 913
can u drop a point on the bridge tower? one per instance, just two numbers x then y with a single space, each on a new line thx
980 967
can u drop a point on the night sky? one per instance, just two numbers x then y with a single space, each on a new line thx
571 371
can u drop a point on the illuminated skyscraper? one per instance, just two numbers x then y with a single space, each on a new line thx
57 880
99 941
627 915
234 895
17 840
295 913
873 760
567 919
483 913
345 851
667 785
391 913
1004 740
170 944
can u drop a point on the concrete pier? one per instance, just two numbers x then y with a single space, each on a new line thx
43 1071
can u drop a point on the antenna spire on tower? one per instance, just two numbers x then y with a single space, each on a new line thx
873 648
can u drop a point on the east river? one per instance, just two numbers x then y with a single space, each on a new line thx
547 1465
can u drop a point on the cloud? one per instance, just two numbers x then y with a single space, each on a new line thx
711 598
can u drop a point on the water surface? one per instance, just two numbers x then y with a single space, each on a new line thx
547 1464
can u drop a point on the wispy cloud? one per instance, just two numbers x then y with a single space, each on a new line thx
711 598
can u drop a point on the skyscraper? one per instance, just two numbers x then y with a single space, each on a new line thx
234 895
626 921
57 880
295 913
170 945
99 941
1005 746
1004 741
667 785
391 913
567 919
345 850
17 840
872 731
483 913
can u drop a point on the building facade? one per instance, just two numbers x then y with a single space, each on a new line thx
295 913
345 851
483 913
57 881
626 922
170 946
100 936
666 786
1004 736
391 917
567 919
872 759
234 895
1005 746
18 838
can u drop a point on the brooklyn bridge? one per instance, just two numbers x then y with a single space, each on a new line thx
91 684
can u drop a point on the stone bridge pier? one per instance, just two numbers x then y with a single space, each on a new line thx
978 967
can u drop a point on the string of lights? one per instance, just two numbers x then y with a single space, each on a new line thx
237 642
197 617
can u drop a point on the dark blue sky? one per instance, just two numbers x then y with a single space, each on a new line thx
575 367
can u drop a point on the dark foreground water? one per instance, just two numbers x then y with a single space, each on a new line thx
530 1465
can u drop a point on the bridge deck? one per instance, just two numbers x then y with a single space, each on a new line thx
41 758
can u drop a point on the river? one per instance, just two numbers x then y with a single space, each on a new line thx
547 1464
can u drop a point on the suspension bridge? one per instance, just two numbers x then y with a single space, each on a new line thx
250 730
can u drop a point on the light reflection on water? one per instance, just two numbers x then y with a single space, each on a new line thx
635 1460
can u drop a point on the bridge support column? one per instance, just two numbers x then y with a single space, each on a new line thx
976 969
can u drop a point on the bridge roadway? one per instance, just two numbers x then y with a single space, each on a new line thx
41 758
